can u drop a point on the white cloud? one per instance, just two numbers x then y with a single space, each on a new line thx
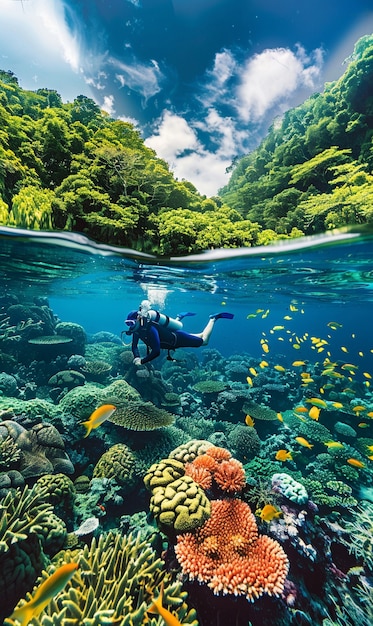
108 105
141 78
272 77
45 45
172 138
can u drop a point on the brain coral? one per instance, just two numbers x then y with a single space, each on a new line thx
188 451
119 463
177 503
227 553
290 488
245 442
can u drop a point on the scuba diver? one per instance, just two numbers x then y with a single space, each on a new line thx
158 331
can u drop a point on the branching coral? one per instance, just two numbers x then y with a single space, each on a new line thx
227 553
359 530
116 582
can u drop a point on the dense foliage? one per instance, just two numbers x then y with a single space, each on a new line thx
314 170
69 166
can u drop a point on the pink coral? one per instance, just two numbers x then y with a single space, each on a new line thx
228 473
227 553
230 476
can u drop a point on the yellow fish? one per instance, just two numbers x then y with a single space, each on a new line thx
370 457
98 417
333 444
344 349
283 455
268 512
296 346
337 405
298 363
279 368
293 308
265 314
370 448
359 408
314 413
334 325
349 366
265 348
287 317
367 375
253 371
157 607
263 364
370 414
249 420
249 381
278 328
355 463
363 425
317 402
303 442
279 417
44 594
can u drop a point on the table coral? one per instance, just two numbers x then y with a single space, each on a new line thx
227 553
141 416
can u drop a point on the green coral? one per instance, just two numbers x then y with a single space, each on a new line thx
118 463
117 580
97 370
60 488
359 530
10 454
245 442
210 386
177 503
141 416
259 411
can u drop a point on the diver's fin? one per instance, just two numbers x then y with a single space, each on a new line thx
216 316
180 316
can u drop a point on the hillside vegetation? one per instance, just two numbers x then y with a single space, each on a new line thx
69 166
314 170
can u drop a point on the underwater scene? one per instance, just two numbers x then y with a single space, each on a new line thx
186 440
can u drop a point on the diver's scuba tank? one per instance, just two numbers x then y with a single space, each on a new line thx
164 320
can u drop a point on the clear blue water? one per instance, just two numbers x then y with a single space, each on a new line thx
327 278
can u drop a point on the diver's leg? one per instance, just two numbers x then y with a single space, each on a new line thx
206 333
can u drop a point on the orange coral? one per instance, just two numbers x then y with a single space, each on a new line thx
201 475
227 553
220 454
230 476
228 473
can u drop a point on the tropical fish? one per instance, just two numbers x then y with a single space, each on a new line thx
265 347
357 409
355 462
279 368
249 421
298 363
344 349
279 417
303 442
317 402
296 346
157 607
363 425
253 371
249 381
98 417
367 375
370 448
361 353
349 366
268 512
46 591
278 328
293 308
301 409
333 444
265 314
314 413
370 457
259 311
287 317
334 325
283 455
370 414
263 364
250 316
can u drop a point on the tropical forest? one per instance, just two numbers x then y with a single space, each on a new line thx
71 167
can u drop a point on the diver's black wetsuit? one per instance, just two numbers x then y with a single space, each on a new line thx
157 337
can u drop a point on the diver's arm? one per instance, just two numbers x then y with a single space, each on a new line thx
153 342
135 349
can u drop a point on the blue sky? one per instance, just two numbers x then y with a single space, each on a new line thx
201 79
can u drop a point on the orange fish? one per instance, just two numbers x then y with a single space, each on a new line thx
157 607
98 417
249 420
355 463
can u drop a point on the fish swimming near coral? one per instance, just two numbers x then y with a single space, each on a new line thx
333 444
249 421
157 607
44 594
98 417
283 455
355 463
303 442
268 513
314 413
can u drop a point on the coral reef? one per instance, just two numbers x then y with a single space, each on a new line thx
118 463
119 593
227 553
136 415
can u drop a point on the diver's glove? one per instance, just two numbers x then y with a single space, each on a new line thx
137 361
